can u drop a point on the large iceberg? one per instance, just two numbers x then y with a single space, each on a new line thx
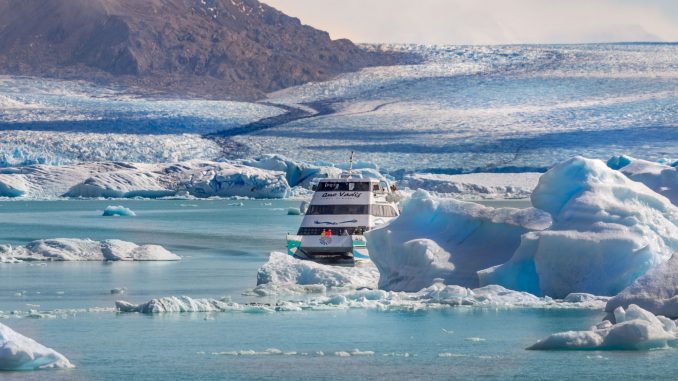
119 179
608 230
447 239
296 173
656 291
18 352
284 269
661 178
72 249
633 328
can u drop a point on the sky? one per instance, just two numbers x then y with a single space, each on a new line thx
489 21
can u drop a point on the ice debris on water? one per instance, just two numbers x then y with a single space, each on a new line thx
118 210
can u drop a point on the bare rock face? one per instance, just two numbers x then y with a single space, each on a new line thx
213 48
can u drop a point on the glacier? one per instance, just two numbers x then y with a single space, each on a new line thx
633 328
73 249
124 180
20 353
447 239
607 231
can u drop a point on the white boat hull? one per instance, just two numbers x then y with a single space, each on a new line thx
328 248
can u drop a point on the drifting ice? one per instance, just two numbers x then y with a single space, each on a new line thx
634 328
447 239
71 249
118 211
608 230
18 352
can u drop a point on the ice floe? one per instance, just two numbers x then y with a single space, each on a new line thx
118 210
72 249
18 352
608 230
633 328
448 239
283 268
120 180
437 296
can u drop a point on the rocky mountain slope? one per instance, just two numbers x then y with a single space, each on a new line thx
214 48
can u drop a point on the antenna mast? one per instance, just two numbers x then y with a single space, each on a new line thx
350 165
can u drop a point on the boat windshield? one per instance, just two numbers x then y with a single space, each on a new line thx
329 186
338 209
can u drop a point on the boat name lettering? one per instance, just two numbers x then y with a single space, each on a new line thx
342 194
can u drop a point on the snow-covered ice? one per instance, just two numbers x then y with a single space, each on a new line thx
661 178
607 231
633 328
283 268
119 179
72 249
656 291
18 352
475 185
118 210
448 239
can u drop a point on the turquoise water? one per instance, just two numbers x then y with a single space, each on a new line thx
223 245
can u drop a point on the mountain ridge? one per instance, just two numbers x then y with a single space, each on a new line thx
236 49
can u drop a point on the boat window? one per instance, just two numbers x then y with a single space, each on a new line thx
335 231
337 209
383 211
329 186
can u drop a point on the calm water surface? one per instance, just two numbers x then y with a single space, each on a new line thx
222 246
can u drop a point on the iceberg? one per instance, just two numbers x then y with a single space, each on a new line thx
608 230
633 328
119 210
661 178
72 249
446 239
175 304
124 180
285 269
296 173
656 291
18 352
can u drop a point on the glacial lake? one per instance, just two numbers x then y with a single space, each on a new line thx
223 243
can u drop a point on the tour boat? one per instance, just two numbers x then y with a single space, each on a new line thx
339 214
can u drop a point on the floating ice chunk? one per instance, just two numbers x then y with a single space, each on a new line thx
187 304
635 328
293 212
608 230
72 249
118 290
283 268
656 291
18 352
118 211
296 173
447 239
661 178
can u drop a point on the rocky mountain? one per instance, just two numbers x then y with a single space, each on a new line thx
238 49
